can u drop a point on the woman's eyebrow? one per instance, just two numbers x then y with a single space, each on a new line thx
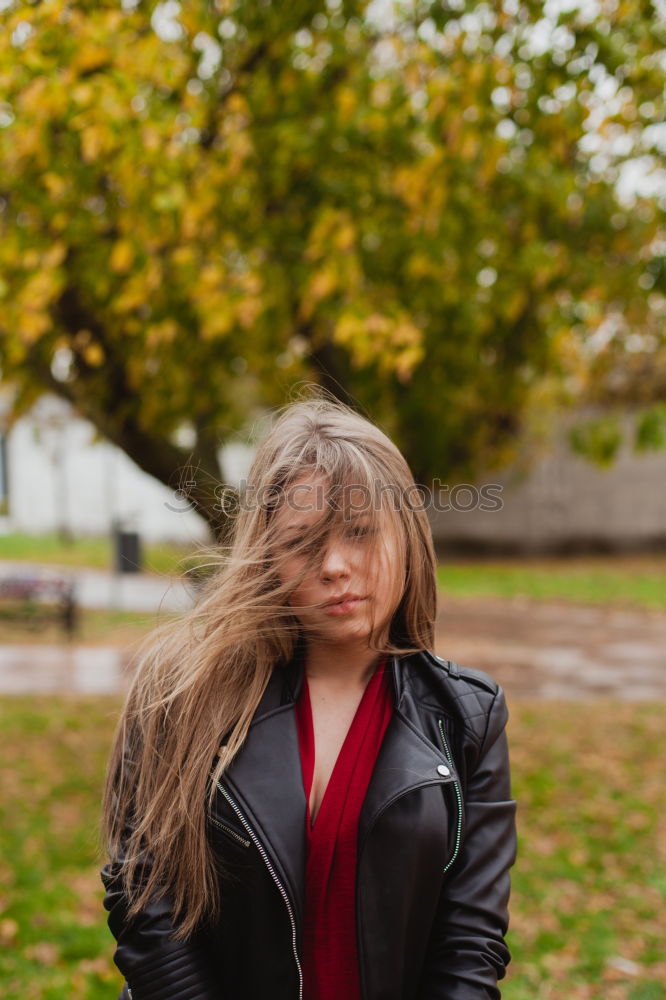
354 516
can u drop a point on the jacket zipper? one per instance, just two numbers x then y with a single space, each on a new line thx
456 786
281 889
232 833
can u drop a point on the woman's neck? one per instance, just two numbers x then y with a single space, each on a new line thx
340 666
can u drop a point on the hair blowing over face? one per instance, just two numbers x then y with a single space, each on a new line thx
200 678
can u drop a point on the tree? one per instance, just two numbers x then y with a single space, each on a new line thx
204 203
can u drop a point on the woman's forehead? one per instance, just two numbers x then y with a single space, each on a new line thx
311 498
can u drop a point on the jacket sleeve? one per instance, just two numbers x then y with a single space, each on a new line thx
467 953
155 966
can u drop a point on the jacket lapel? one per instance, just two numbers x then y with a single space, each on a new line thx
266 779
406 759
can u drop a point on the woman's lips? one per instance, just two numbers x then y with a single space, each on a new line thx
343 607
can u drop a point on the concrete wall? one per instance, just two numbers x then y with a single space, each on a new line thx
566 503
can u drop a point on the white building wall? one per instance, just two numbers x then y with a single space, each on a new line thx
61 477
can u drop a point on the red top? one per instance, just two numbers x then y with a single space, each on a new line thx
330 960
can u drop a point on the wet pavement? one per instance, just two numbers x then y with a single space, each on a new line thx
63 669
535 649
96 588
555 649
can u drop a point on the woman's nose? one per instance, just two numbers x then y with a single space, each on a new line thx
335 561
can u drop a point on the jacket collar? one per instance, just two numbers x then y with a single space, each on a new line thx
266 778
285 683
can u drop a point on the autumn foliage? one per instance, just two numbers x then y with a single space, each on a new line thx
413 203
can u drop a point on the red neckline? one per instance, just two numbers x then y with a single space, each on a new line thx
304 709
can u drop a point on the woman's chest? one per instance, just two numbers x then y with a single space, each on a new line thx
331 722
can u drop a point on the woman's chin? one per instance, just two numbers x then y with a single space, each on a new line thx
342 632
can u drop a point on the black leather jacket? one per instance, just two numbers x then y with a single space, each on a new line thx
436 841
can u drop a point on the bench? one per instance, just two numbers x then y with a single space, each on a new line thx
34 601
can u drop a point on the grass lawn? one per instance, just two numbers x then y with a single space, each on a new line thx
90 551
589 900
638 581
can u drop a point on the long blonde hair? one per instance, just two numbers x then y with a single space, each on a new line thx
201 677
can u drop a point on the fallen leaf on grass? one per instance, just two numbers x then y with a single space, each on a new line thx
98 967
8 931
44 951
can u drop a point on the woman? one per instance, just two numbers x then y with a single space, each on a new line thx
303 801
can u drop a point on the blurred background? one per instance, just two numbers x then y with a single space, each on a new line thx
451 216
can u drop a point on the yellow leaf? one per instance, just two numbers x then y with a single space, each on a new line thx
347 102
132 297
28 140
114 20
477 72
248 311
251 283
345 237
407 334
151 139
39 289
83 94
377 323
54 255
122 257
152 277
322 284
347 329
515 304
183 256
420 266
90 56
32 97
212 277
217 323
30 259
469 146
236 104
94 355
161 333
92 142
406 362
55 185
31 325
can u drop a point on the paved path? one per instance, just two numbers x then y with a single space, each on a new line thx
554 649
62 669
534 649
